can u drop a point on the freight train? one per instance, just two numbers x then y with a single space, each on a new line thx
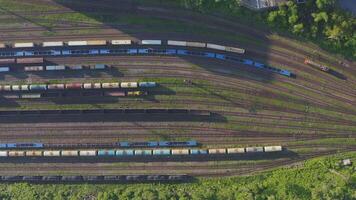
110 50
71 86
138 152
97 179
125 42
190 143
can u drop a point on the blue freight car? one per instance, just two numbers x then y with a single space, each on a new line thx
171 51
138 144
147 84
143 51
198 151
106 152
209 55
131 51
162 152
3 146
178 144
247 62
182 52
220 56
24 145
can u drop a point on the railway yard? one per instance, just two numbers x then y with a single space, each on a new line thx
87 92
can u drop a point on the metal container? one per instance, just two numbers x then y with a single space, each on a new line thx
196 44
115 94
34 153
70 153
23 44
198 151
55 67
110 85
87 153
7 61
180 151
140 152
30 96
126 152
96 42
17 153
29 60
120 42
38 87
151 42
235 150
235 50
16 87
4 153
129 85
254 149
33 68
147 84
24 87
4 69
215 46
106 152
177 43
51 153
217 151
273 148
99 66
74 86
164 152
52 44
77 43
56 86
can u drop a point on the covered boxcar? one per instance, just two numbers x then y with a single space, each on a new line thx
120 42
23 44
110 85
125 152
129 85
33 68
51 153
254 149
53 44
235 150
151 42
177 43
74 86
272 148
217 151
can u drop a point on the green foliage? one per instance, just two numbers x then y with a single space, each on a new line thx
322 178
320 21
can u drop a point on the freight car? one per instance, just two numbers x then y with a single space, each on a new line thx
141 152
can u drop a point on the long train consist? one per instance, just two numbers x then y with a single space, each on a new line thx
97 179
125 42
151 51
70 86
137 152
190 143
